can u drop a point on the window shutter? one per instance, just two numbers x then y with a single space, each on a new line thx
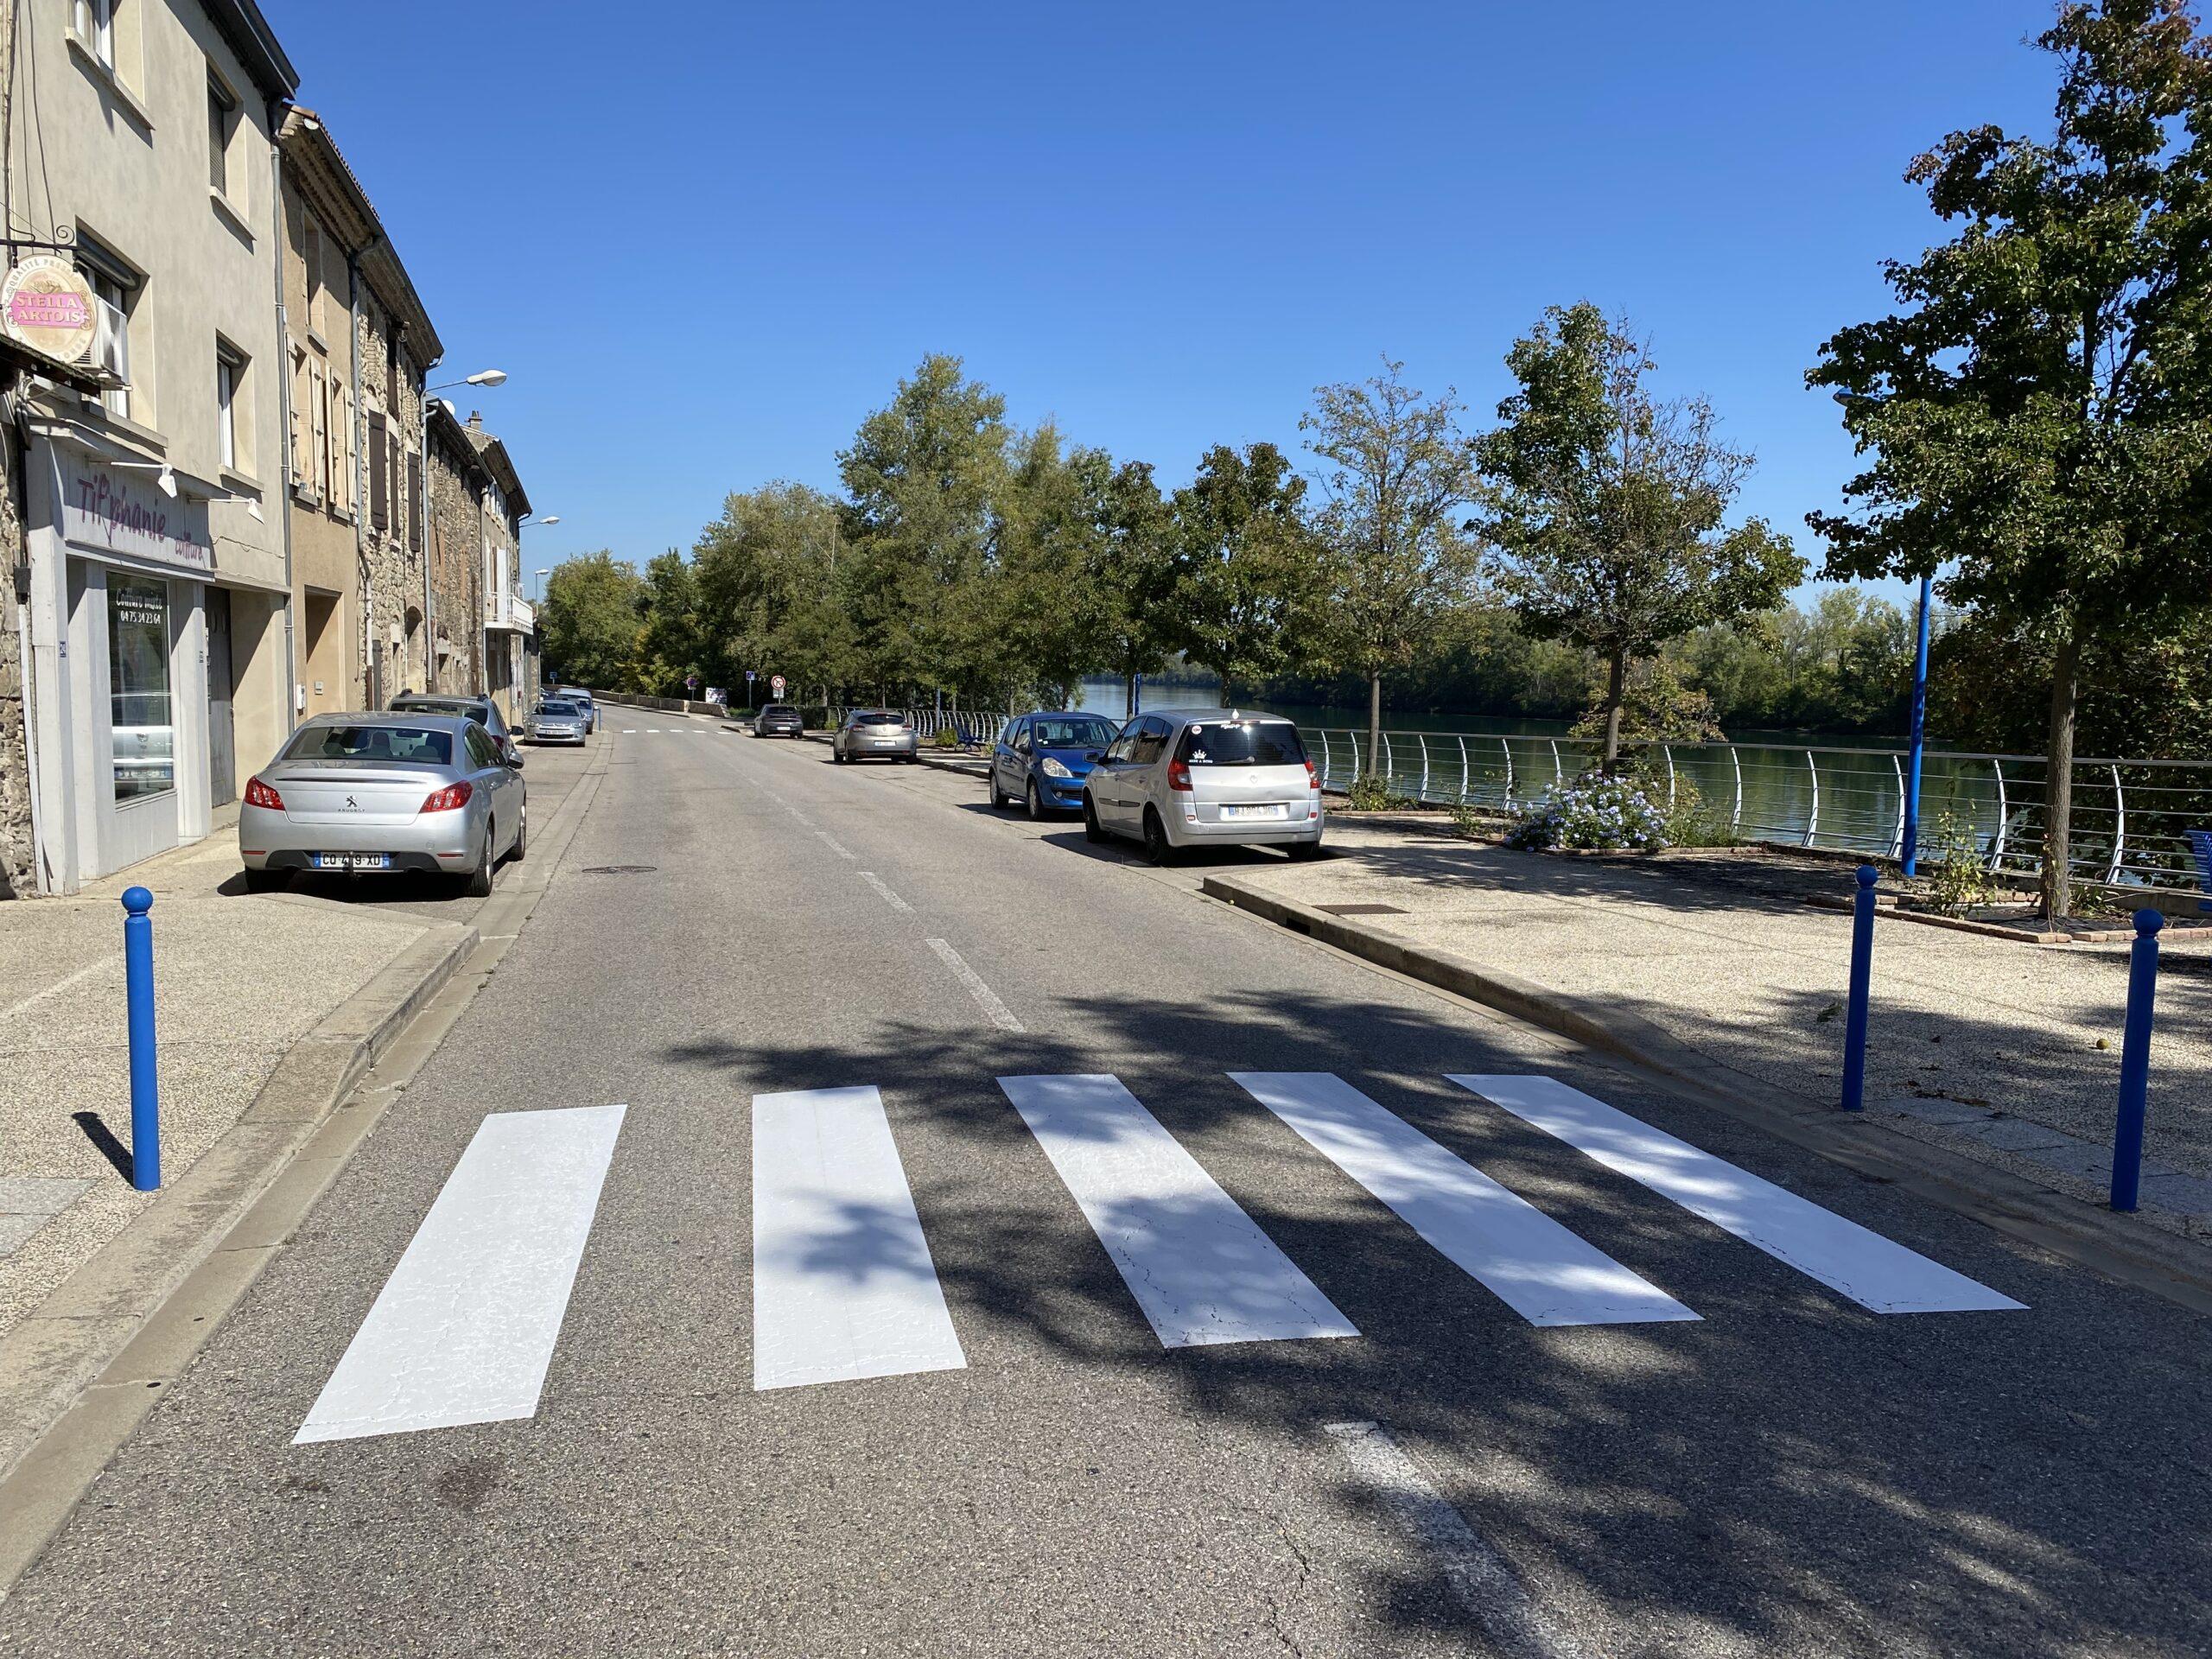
414 502
380 502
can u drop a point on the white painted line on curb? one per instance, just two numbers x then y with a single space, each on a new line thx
464 1329
885 893
833 843
1481 1581
986 998
1200 1268
1873 1271
843 1286
1534 1266
54 989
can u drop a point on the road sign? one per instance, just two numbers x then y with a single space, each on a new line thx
749 676
776 685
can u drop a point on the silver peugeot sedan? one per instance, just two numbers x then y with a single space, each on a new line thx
385 793
875 734
1206 777
557 720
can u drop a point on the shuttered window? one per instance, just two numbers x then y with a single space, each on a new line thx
414 502
379 493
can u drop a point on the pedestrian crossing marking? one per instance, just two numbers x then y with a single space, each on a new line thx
1873 1271
1536 1266
464 1329
843 1284
1199 1267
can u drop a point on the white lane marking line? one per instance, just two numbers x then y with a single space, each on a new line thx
464 1329
1200 1268
885 893
986 998
54 989
1533 1265
1873 1271
833 843
629 731
843 1286
653 731
1480 1580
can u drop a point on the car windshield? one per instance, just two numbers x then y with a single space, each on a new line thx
1241 743
555 707
879 720
478 712
408 744
1072 732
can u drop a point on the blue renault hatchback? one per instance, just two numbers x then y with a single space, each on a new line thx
1042 759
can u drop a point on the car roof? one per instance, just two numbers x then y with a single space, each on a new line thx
422 718
1186 716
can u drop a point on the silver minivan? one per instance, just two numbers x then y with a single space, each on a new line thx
1205 776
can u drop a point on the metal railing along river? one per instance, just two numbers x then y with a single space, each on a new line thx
2131 818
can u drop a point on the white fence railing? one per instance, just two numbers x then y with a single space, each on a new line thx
2131 818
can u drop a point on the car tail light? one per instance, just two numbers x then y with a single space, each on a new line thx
448 798
1178 775
1312 778
259 794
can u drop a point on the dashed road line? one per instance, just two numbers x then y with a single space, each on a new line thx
834 844
885 893
1480 1580
986 998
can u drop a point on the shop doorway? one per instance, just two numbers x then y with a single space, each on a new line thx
222 732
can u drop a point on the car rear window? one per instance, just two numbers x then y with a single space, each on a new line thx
550 706
779 709
879 720
397 743
1241 743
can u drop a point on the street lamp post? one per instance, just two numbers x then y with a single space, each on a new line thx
481 378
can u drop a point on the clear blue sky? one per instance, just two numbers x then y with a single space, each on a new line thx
706 239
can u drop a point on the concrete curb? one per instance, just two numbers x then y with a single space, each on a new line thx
2177 1269
82 1372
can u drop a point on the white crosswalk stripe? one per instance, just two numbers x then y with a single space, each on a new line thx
1536 1266
464 1329
1200 1268
1873 1271
844 1284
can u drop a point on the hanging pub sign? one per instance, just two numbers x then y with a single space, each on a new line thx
46 306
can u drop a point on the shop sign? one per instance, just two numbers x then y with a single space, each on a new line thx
46 306
118 511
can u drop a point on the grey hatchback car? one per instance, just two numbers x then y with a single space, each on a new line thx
1208 777
875 734
383 793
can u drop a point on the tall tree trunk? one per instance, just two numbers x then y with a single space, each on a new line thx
2058 786
1375 724
1228 694
1129 696
1616 693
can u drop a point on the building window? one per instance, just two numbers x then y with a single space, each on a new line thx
115 290
311 257
142 736
94 23
222 117
230 380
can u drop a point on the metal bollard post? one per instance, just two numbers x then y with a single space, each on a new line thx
145 1082
1862 968
2135 1060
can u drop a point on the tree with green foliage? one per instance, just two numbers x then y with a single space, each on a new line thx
592 620
767 580
2039 417
1134 568
1607 504
1398 567
672 650
1249 570
1050 619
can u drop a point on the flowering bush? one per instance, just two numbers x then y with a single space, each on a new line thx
1601 813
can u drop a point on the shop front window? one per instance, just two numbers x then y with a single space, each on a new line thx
138 686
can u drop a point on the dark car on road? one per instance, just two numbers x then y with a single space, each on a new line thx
1042 759
778 719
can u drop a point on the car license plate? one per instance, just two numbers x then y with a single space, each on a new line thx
1271 812
353 860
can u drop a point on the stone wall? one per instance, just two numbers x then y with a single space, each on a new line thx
456 561
392 559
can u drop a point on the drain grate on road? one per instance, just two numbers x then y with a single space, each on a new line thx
1361 910
619 870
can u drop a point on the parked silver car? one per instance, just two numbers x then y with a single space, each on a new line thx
582 698
556 720
875 734
1210 777
483 710
383 792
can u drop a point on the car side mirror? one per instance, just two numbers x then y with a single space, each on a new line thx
514 763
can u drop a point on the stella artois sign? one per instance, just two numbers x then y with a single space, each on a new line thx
46 306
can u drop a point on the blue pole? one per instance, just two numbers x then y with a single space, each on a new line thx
145 1084
1912 848
1862 970
2135 1060
1136 695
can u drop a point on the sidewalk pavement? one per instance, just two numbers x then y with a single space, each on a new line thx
1987 1046
238 982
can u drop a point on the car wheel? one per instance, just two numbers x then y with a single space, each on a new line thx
479 879
1036 806
522 836
1092 829
998 795
1157 847
267 880
837 755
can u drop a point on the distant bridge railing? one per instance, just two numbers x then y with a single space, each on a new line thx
2131 819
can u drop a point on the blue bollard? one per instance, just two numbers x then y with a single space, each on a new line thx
1862 969
2135 1060
145 1083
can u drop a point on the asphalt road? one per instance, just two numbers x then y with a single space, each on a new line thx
1791 1473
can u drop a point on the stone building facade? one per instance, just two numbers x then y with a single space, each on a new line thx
456 552
509 621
